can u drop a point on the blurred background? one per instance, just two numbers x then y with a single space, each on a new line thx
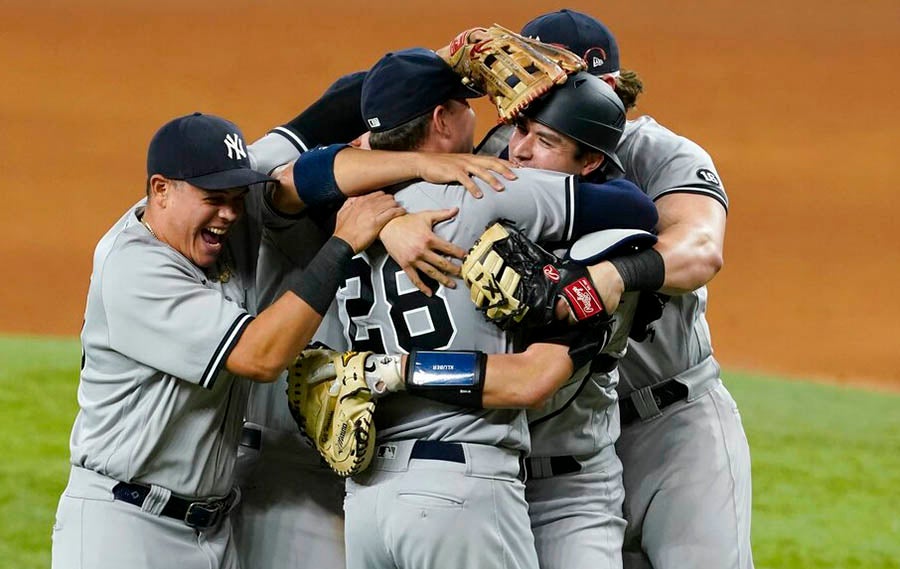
793 99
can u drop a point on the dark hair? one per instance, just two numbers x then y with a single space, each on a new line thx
628 87
408 136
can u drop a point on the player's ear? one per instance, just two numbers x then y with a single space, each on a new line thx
591 161
157 188
439 121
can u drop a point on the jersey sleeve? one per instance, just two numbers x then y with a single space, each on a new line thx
662 162
161 312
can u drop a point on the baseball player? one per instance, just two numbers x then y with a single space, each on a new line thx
297 518
573 433
172 334
444 487
685 455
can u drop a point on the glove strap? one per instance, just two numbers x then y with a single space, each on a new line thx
455 378
583 300
383 374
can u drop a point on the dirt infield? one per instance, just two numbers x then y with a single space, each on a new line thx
792 99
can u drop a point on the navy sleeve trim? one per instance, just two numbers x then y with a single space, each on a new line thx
229 341
292 137
701 190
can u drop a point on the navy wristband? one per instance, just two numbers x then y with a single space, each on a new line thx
452 377
314 177
319 282
643 271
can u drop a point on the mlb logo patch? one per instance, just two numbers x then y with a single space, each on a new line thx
387 452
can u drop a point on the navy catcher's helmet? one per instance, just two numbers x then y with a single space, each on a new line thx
586 109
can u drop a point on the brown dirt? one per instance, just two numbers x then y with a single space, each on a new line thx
792 99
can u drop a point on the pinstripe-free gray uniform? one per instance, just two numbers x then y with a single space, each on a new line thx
291 511
157 405
693 508
572 454
406 512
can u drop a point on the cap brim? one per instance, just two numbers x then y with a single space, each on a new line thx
463 91
237 178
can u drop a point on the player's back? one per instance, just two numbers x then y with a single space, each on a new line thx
382 311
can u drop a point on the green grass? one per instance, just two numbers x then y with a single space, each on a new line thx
826 473
826 463
38 381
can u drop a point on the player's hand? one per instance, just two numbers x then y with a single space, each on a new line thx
609 286
450 168
473 35
361 218
411 242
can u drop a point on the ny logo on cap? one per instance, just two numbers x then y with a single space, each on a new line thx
235 147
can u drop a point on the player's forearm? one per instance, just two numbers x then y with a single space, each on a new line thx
508 381
692 259
691 240
359 171
528 379
272 341
281 331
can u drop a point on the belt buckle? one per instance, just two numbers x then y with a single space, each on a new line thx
204 515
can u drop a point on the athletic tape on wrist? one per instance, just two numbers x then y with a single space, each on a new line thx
643 271
319 282
455 378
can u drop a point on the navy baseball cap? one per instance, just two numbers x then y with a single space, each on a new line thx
204 150
581 34
407 84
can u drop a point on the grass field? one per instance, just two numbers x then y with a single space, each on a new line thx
826 463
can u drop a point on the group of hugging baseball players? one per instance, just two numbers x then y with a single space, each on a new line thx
591 430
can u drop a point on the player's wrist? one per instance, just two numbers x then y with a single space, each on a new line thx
644 271
384 374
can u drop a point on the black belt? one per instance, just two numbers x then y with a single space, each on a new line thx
438 450
603 364
251 437
196 514
450 452
559 465
664 394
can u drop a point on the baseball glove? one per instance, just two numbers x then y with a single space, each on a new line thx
511 69
517 283
329 399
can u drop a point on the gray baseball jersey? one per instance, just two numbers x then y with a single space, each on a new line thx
706 474
286 520
660 163
407 510
382 311
157 405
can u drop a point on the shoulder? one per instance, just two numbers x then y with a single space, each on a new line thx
660 161
646 135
